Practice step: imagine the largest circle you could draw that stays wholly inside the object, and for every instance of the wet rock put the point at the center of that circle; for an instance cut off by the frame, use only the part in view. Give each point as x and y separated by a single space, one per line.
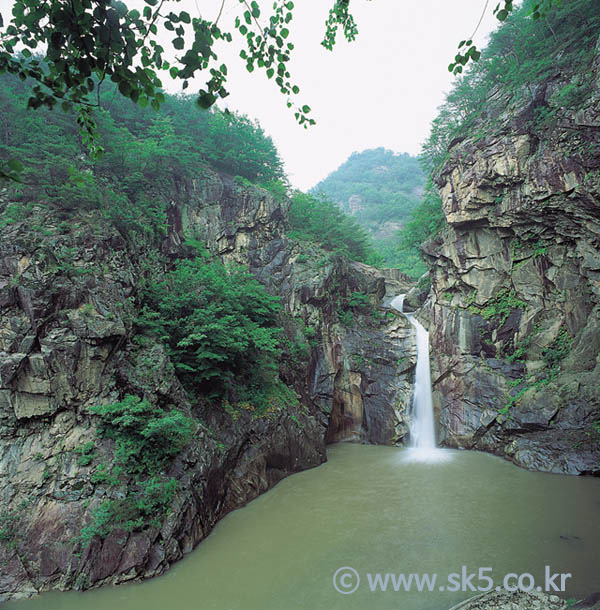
533 600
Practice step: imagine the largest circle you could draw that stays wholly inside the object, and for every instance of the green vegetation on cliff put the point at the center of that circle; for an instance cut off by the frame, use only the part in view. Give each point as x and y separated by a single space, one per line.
522 55
221 329
143 149
146 438
320 221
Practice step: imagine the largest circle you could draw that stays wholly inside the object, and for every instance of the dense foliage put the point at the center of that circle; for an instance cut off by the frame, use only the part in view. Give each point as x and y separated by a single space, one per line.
146 438
379 188
522 54
144 150
88 42
221 329
322 222
425 220
145 435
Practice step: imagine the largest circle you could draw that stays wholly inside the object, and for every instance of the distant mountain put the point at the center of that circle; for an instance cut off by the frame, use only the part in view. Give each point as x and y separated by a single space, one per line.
379 188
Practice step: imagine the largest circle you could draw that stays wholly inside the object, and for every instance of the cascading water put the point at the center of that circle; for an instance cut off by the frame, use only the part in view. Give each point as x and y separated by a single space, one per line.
422 428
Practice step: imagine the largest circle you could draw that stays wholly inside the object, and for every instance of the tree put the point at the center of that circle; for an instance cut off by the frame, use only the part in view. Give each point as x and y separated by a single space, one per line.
467 51
322 222
89 41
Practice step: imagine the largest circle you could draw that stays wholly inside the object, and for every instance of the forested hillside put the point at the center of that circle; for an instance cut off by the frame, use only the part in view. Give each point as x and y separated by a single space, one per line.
141 147
144 153
379 188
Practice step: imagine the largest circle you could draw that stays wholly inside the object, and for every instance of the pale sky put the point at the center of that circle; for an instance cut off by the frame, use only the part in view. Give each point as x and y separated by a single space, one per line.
381 90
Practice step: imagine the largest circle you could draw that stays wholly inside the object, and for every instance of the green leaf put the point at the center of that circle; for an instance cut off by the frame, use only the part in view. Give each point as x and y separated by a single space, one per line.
270 73
178 43
147 12
15 165
124 88
305 109
502 15
206 99
255 9
155 105
285 33
184 17
248 17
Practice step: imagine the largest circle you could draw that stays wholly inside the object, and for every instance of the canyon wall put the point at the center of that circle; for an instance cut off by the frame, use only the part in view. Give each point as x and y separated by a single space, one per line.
515 304
68 287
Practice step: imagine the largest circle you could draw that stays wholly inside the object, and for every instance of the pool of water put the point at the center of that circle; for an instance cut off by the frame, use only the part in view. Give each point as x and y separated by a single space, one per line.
371 509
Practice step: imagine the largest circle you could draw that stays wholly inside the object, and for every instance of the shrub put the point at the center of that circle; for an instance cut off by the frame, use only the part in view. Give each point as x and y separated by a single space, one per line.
219 324
86 453
501 306
320 221
142 508
558 349
145 435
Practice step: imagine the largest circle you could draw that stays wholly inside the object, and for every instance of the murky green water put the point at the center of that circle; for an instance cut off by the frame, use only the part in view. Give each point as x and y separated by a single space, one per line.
368 509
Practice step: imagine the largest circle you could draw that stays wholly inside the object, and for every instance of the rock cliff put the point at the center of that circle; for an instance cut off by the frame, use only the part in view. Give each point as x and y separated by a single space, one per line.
515 301
68 287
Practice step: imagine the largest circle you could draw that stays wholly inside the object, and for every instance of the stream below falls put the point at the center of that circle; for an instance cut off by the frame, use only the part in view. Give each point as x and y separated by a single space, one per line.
371 508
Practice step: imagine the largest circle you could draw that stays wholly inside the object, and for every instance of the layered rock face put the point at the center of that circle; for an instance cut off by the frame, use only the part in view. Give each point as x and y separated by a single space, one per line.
515 308
68 291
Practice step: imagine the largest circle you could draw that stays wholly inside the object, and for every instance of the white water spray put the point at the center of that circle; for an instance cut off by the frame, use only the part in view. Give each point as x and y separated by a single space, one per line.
422 428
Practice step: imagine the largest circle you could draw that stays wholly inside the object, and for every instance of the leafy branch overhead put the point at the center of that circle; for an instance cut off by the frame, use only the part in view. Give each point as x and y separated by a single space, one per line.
67 50
70 47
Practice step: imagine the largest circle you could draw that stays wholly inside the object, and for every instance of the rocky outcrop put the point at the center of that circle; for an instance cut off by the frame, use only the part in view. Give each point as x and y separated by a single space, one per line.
521 600
68 287
517 600
361 373
515 308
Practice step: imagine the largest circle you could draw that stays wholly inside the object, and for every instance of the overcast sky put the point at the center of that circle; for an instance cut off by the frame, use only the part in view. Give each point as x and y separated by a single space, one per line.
381 90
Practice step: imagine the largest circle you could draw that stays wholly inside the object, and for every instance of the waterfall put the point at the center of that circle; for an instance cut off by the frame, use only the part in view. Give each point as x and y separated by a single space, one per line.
422 428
